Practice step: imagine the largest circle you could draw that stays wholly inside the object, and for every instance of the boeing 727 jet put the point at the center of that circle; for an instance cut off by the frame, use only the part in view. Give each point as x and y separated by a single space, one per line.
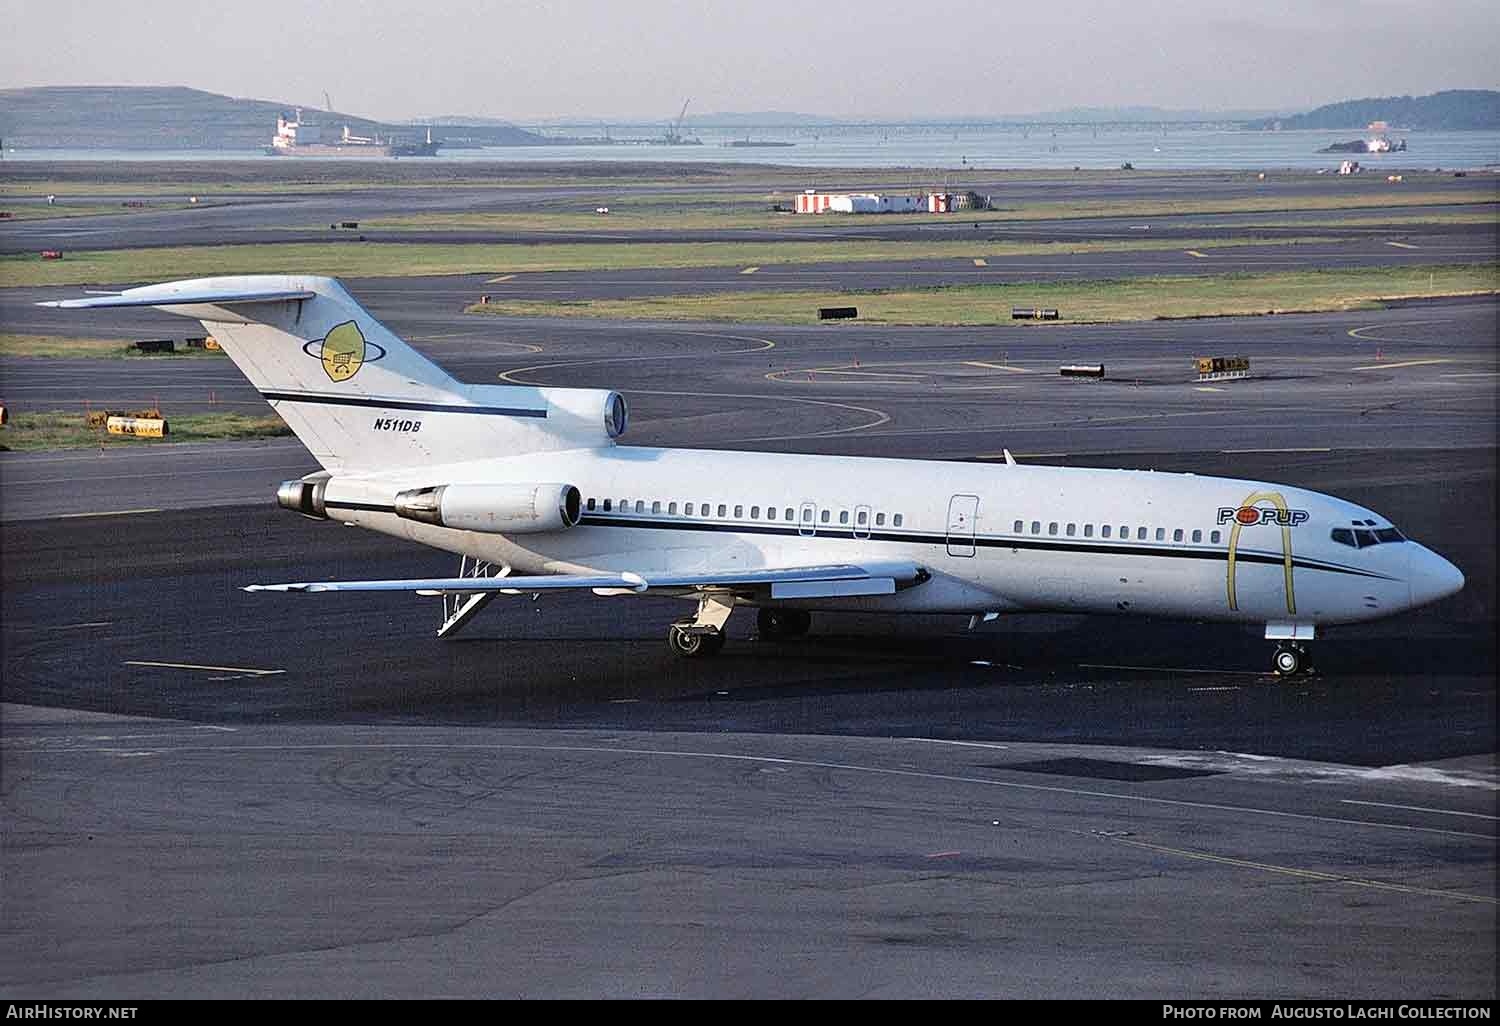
533 490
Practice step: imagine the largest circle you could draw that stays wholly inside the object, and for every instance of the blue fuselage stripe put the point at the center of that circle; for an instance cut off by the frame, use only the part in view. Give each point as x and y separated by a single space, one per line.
401 404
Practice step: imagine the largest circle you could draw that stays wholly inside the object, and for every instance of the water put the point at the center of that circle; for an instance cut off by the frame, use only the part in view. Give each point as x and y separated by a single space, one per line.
1146 147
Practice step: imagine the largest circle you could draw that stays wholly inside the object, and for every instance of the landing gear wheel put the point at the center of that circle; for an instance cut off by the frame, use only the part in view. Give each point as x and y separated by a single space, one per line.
693 644
1290 660
775 624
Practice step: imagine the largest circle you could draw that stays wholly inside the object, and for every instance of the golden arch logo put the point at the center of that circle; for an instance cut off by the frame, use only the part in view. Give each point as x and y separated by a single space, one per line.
343 351
1247 515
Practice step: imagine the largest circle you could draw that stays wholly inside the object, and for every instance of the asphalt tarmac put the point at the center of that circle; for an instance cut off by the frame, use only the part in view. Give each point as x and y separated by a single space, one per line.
209 793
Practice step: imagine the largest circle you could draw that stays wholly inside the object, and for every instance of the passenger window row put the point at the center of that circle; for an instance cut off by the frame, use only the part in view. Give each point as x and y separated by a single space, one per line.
860 517
1109 531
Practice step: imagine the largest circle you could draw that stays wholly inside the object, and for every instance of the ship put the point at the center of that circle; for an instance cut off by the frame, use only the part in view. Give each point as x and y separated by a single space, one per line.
1378 142
297 138
756 143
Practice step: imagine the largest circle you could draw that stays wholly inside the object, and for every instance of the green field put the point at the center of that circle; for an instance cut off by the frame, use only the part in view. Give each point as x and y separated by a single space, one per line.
1126 299
55 347
67 429
373 259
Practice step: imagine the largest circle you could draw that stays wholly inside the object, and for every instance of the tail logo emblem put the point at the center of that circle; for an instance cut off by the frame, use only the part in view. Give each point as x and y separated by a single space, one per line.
343 351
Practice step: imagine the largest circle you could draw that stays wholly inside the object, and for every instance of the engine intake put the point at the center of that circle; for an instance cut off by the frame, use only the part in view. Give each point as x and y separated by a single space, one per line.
493 508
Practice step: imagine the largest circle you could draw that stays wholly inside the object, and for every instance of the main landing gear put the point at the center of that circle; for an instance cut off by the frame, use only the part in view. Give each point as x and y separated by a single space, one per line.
776 624
703 635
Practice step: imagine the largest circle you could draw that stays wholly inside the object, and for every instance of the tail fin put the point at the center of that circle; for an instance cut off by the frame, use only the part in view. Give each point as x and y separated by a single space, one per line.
358 396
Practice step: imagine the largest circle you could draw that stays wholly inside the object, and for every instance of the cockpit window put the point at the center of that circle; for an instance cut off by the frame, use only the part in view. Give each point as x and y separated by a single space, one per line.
1389 534
1344 536
1365 538
1360 538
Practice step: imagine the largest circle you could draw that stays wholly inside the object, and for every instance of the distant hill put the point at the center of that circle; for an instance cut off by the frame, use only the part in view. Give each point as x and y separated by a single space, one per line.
177 118
1451 110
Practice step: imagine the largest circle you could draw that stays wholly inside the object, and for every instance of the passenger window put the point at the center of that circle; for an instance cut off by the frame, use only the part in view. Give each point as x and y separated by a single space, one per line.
640 505
672 509
1214 537
1140 534
1161 534
1197 537
825 516
606 505
754 512
704 510
843 516
1036 527
739 512
1343 536
791 514
1124 532
656 506
591 505
1088 530
863 518
807 516
879 519
896 520
1071 529
1020 526
1104 531
723 510
1052 527
687 509
1177 535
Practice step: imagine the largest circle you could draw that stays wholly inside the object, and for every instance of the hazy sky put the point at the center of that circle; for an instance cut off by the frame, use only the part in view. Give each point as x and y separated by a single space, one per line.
617 60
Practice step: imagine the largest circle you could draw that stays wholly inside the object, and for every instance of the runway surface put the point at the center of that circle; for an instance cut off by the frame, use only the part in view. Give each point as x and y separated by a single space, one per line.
208 793
232 210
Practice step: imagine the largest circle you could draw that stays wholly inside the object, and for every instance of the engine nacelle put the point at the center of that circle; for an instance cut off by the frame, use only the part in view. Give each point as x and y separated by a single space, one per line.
493 508
305 495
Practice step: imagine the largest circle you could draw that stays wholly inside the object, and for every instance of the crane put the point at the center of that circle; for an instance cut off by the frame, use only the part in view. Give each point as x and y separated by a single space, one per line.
674 135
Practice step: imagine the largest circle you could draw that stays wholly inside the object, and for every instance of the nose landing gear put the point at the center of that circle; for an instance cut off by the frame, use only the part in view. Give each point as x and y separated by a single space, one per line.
1291 659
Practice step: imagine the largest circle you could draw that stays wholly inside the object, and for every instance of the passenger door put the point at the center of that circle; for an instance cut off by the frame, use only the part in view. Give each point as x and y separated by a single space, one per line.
963 511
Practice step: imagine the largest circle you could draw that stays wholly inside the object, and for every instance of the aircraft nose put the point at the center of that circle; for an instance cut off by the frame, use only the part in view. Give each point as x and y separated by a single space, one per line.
1431 576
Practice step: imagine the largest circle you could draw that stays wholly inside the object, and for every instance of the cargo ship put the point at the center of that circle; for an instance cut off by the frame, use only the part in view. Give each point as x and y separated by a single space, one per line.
296 138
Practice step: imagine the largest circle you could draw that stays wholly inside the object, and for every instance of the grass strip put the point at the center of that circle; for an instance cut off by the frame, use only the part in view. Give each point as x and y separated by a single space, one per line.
376 259
67 429
1125 299
50 346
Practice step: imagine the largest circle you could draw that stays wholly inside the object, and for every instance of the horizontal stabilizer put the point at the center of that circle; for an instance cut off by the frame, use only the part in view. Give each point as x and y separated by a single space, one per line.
182 294
798 582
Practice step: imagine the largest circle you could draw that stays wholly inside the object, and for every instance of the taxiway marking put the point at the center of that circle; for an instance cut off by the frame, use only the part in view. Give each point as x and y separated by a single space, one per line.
1403 363
1403 245
496 281
107 513
1195 253
1306 874
1238 452
980 262
1419 808
750 270
196 666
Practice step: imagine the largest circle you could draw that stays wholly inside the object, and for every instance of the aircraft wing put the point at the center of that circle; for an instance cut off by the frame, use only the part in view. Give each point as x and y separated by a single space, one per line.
800 582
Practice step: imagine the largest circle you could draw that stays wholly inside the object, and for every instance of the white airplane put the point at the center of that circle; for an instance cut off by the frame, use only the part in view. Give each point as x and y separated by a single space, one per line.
530 487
